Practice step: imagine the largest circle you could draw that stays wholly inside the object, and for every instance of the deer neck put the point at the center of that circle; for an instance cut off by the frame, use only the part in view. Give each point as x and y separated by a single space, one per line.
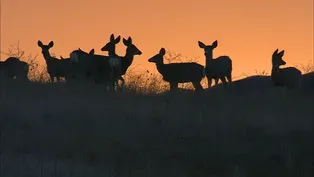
128 59
209 59
47 56
160 66
112 53
275 69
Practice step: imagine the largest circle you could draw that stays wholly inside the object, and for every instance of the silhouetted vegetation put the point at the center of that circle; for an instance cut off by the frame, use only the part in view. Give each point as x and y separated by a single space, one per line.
255 129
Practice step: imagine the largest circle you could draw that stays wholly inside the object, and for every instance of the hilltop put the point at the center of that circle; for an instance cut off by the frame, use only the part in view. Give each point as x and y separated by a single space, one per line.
254 128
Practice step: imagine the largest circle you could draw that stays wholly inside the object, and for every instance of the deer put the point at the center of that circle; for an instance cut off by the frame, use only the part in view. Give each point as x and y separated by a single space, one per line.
110 47
114 59
218 68
126 60
56 68
82 63
14 67
97 67
175 73
289 77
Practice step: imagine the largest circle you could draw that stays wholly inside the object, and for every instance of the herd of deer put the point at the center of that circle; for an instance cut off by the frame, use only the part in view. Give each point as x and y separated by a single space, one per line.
110 69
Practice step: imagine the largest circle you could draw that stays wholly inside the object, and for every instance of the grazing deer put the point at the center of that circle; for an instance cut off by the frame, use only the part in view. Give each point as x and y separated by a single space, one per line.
290 77
14 67
218 68
56 68
127 59
175 73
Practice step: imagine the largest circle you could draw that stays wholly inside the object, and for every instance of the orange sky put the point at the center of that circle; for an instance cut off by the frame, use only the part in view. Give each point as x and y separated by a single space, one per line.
247 30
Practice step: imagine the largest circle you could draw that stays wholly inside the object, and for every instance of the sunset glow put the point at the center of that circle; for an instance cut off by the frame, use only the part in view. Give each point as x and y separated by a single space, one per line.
247 31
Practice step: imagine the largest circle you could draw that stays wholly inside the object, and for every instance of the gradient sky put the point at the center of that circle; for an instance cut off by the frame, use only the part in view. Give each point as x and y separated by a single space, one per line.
247 30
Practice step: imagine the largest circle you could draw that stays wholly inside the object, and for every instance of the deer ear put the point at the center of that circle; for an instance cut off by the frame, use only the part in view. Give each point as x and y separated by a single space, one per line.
201 44
275 52
215 44
51 44
92 52
117 40
162 51
130 40
39 43
281 53
125 42
111 37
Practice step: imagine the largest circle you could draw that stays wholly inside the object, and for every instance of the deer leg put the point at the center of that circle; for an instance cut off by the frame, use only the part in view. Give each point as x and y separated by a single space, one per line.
173 86
112 85
58 78
216 80
209 81
51 78
116 84
122 81
223 80
197 86
229 78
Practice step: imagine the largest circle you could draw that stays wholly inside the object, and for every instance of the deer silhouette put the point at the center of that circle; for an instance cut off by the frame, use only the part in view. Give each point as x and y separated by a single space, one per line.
131 51
82 63
14 67
175 73
218 68
114 59
110 47
126 60
290 77
97 66
56 68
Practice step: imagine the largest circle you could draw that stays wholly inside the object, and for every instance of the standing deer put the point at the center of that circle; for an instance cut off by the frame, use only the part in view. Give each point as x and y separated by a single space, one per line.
218 68
175 73
290 77
131 51
82 63
14 67
56 68
110 47
127 59
114 59
97 66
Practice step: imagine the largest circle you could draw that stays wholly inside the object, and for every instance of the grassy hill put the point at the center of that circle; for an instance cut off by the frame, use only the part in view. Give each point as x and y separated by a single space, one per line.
254 129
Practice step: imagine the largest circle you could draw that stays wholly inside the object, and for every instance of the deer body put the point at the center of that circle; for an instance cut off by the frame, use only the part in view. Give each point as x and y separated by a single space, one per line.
290 77
56 68
128 58
82 63
97 66
13 67
102 70
113 59
175 73
120 64
216 68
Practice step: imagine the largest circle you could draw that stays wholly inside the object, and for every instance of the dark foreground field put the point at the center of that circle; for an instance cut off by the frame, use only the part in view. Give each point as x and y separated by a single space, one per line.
258 133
